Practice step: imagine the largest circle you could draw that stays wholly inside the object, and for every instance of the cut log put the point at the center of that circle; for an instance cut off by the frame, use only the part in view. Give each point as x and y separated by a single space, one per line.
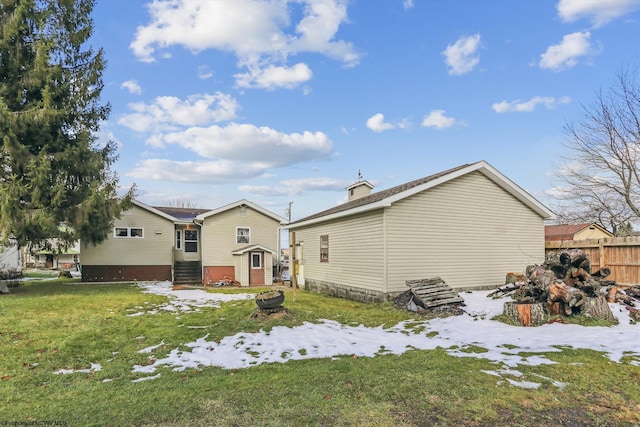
598 308
556 308
611 294
526 314
559 291
602 273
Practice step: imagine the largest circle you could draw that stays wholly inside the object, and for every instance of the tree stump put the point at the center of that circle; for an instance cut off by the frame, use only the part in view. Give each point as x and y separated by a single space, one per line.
598 308
526 314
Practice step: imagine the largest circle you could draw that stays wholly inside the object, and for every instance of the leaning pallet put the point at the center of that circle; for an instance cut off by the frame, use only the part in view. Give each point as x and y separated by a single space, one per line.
433 292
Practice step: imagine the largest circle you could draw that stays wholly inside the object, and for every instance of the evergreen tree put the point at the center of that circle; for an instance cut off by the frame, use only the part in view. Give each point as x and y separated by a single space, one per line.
55 181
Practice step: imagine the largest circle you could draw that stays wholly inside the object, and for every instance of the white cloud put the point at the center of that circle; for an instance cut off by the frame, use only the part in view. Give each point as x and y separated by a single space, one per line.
273 77
599 12
528 106
260 33
377 124
132 86
204 72
438 119
169 112
218 171
245 144
295 187
565 55
103 137
461 57
407 4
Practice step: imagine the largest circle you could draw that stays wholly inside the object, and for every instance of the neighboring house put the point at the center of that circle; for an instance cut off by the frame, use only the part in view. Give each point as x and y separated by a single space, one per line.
10 265
239 241
589 230
65 259
470 225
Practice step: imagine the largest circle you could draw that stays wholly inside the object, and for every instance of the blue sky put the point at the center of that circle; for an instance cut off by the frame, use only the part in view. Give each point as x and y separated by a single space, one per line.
286 101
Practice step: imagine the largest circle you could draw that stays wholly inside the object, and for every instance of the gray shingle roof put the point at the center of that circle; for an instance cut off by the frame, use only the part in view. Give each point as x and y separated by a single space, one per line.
380 195
182 214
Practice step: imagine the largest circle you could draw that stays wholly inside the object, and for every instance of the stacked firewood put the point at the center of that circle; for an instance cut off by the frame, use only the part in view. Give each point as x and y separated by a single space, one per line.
565 285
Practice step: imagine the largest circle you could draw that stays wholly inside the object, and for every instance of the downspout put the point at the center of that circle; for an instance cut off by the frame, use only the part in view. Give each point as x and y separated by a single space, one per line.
201 242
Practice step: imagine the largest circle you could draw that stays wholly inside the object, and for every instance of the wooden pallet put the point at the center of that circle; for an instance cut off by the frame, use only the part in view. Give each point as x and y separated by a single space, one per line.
433 292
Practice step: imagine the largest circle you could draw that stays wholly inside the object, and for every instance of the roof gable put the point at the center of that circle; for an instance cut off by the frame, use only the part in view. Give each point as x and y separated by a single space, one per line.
242 202
387 197
154 210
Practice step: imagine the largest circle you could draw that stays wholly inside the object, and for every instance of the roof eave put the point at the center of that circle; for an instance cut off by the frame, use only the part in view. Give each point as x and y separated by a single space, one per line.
482 167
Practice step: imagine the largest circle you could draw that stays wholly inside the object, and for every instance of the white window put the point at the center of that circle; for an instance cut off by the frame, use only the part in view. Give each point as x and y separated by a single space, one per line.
324 248
179 240
128 232
256 260
191 240
243 235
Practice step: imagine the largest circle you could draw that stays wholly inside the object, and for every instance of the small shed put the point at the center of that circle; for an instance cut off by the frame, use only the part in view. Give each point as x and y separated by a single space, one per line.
589 230
469 225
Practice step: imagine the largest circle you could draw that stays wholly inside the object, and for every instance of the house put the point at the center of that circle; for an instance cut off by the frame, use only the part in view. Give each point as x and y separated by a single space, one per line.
10 265
64 259
589 230
469 225
239 241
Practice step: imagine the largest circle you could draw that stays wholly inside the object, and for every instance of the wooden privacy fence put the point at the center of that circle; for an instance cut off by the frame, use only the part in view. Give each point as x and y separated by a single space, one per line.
620 254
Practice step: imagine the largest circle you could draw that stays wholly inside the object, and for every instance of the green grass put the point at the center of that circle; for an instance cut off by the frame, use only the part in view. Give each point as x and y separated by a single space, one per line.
51 325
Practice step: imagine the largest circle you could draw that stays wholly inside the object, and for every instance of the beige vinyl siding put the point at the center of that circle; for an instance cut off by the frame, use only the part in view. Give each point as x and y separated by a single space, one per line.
468 231
219 234
154 248
588 233
355 251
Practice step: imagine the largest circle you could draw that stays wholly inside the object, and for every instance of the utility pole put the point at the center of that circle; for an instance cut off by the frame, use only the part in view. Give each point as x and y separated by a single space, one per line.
289 211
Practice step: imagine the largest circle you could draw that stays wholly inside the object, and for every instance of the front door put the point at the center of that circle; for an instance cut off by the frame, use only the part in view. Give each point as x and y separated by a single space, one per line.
191 245
256 268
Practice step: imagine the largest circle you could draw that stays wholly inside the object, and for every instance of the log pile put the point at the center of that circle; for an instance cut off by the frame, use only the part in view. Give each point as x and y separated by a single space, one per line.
563 285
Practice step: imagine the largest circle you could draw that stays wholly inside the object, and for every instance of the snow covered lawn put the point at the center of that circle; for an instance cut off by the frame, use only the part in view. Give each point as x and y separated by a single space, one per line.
504 344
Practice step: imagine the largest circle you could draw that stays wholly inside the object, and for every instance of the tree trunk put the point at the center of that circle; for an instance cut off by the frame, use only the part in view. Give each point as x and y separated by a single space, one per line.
598 308
526 314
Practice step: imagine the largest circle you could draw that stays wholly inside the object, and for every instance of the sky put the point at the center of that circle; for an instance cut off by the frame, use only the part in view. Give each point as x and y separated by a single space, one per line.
507 346
287 102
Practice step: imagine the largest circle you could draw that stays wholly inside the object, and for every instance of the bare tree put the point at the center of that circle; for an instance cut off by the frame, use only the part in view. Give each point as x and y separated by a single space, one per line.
182 203
600 178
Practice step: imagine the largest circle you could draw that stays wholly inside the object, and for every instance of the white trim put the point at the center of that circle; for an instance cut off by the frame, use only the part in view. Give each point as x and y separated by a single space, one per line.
359 183
179 241
242 202
248 235
250 248
251 255
154 210
128 236
483 167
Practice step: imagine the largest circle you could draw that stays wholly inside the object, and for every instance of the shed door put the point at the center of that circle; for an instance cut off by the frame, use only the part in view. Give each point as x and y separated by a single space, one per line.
256 268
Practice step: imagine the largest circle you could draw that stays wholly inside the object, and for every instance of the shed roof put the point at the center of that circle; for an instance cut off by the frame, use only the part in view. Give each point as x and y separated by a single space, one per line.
568 231
387 197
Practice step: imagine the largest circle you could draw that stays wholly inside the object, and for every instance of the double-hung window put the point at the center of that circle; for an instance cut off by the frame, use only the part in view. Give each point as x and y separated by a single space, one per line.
243 235
324 248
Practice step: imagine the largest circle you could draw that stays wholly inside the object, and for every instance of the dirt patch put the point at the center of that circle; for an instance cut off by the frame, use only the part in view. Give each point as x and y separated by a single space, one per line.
272 314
